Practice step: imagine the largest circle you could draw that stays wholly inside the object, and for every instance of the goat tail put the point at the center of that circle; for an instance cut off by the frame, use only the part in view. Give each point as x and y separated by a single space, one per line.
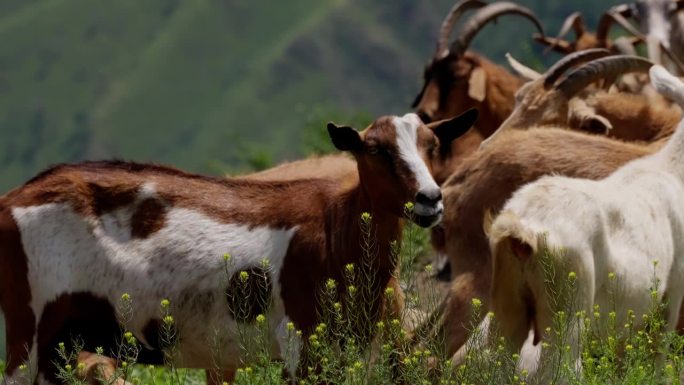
667 84
513 246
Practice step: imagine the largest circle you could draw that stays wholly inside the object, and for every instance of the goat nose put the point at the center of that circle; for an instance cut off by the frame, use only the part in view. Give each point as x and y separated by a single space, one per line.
424 116
429 197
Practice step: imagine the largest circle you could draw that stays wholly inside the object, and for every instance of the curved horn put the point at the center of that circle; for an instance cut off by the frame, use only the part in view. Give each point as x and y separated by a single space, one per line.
486 14
449 22
523 70
607 67
574 21
606 22
556 70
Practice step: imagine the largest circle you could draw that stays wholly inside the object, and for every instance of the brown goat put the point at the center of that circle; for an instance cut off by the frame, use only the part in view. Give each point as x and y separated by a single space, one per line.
587 40
456 79
659 28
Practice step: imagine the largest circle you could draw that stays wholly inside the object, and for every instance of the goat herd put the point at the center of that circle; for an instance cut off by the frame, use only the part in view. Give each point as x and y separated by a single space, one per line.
76 237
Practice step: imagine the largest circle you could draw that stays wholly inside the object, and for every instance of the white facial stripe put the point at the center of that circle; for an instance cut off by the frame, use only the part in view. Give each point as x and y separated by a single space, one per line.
407 143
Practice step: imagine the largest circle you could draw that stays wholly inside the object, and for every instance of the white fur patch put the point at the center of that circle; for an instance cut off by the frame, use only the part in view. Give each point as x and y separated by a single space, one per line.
407 143
183 262
147 190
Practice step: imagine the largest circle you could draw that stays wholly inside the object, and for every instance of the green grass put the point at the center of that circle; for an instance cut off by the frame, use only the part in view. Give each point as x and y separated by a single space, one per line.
611 352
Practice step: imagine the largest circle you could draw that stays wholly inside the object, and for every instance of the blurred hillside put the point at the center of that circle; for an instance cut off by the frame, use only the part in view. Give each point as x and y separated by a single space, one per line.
209 85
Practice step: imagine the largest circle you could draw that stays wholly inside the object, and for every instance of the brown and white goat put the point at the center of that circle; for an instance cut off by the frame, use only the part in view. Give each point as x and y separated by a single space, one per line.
76 237
456 79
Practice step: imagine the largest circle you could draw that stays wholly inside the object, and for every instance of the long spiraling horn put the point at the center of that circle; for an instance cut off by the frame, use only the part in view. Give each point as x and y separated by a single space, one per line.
449 22
569 61
616 14
608 67
485 15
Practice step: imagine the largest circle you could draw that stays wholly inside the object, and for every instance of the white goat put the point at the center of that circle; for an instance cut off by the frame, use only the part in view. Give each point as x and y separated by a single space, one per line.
621 224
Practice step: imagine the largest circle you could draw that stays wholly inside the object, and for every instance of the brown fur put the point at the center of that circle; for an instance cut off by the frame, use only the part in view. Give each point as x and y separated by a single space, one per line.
632 117
585 40
446 95
636 117
326 166
486 180
15 293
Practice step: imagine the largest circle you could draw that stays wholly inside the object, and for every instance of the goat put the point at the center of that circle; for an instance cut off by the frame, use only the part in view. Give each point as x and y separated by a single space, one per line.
586 40
484 182
661 26
490 87
325 166
620 224
75 237
487 178
546 100
541 103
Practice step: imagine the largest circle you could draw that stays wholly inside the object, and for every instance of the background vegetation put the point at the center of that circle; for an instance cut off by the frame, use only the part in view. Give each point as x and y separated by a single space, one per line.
208 85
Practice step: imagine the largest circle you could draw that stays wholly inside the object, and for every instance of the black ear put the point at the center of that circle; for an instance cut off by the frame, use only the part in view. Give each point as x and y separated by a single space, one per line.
344 138
448 130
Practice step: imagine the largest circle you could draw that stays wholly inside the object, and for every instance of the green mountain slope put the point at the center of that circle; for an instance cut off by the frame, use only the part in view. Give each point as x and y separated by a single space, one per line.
201 84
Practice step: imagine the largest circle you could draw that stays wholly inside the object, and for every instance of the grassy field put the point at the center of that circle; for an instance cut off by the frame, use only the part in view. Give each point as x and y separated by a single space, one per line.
611 351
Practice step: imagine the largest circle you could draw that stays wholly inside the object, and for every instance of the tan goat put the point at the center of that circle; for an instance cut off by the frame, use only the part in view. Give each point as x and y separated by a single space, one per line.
558 97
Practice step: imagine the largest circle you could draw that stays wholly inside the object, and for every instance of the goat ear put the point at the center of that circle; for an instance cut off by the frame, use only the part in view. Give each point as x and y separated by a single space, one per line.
524 71
344 138
448 130
477 84
595 124
585 118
